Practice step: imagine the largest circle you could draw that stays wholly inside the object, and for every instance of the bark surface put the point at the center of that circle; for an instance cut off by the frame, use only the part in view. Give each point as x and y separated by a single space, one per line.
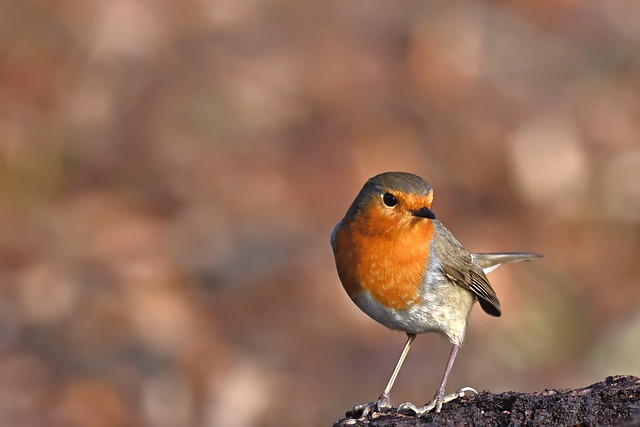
612 402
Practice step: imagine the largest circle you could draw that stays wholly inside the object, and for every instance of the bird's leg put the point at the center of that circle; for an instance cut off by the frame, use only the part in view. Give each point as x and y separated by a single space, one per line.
439 399
383 403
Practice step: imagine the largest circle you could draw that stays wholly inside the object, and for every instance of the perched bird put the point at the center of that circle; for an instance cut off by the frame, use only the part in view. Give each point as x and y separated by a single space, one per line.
404 269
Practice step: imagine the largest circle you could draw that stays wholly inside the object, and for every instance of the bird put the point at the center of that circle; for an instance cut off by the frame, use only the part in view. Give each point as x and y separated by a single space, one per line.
403 268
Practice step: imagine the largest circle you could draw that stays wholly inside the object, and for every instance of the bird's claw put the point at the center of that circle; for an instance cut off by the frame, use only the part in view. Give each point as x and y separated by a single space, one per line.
409 408
383 404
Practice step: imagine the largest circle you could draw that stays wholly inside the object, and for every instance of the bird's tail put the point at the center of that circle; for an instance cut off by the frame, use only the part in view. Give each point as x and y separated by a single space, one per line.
490 261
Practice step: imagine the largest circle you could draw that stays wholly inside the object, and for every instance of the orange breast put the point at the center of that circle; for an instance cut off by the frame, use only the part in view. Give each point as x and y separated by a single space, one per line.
389 265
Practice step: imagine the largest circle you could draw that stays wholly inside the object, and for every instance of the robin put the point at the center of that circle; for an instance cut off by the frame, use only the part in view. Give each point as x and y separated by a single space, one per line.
405 270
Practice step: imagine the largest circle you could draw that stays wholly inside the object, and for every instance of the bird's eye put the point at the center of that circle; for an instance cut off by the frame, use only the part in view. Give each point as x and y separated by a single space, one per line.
389 199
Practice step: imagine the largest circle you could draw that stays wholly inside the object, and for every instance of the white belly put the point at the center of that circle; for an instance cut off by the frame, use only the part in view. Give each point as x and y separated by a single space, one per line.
434 312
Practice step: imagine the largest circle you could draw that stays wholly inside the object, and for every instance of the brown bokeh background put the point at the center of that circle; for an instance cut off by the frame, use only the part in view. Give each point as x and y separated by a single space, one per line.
170 173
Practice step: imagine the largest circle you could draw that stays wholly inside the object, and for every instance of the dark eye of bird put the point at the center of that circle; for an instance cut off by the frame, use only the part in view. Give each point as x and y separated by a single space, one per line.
389 199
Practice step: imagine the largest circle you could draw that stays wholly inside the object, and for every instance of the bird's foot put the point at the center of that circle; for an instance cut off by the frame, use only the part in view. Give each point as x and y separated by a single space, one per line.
409 408
383 404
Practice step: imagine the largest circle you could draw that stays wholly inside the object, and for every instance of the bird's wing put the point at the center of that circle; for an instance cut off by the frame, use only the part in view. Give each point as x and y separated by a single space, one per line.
465 273
461 269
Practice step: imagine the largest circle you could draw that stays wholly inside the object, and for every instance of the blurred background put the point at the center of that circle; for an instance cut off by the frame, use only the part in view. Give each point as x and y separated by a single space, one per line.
170 173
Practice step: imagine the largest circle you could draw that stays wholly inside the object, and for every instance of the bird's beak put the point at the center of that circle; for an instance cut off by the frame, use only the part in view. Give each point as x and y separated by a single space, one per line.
423 212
